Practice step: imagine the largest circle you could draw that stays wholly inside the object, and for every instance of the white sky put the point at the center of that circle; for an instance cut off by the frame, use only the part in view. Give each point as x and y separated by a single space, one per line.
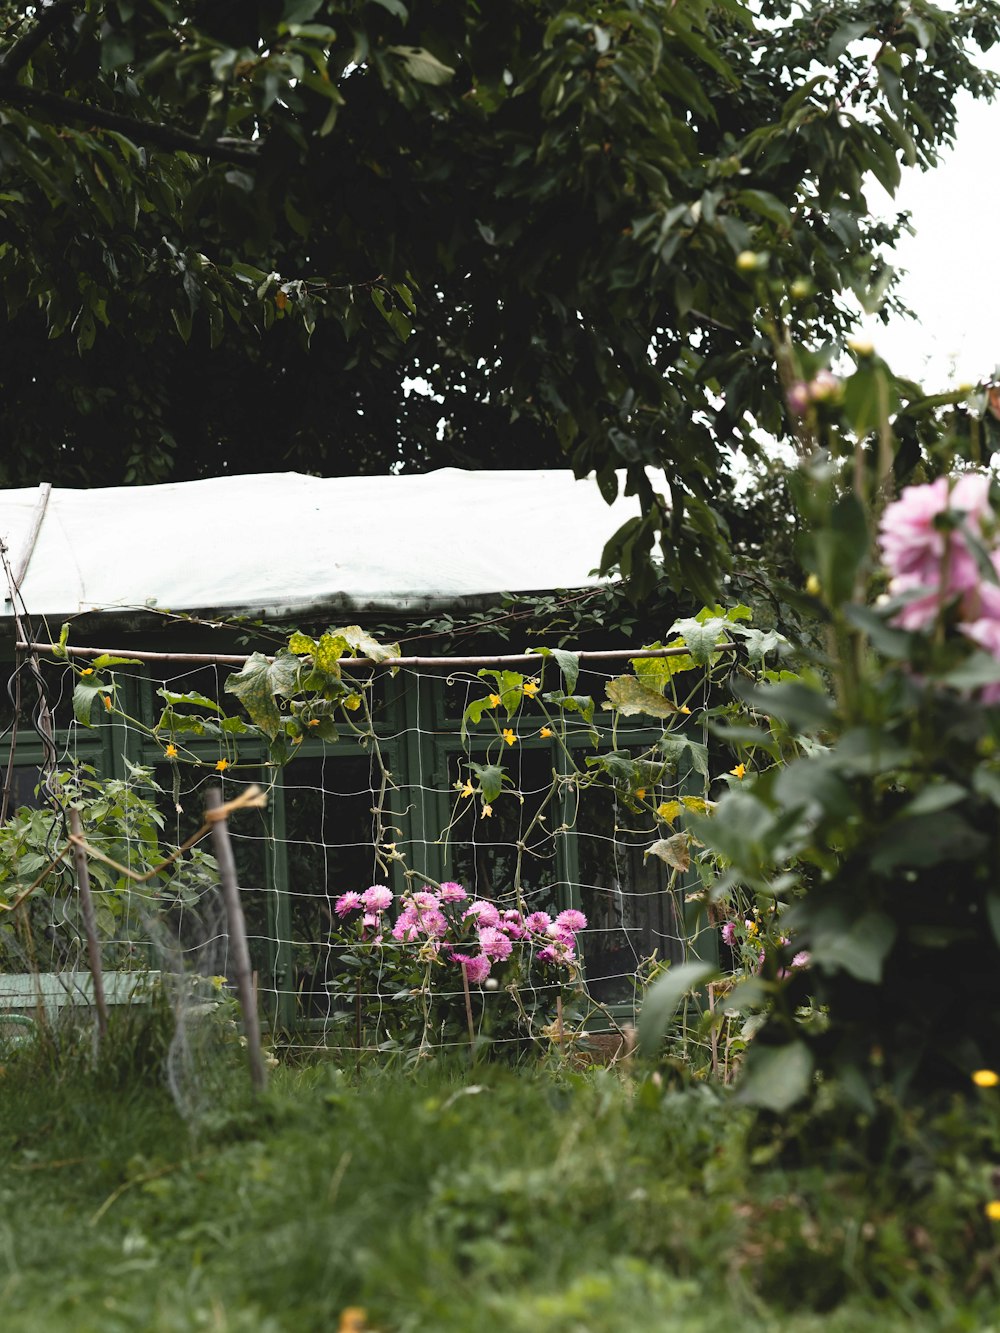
952 264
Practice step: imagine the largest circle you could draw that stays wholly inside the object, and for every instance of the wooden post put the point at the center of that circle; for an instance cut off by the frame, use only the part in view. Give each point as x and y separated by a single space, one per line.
468 1015
237 936
89 922
357 1023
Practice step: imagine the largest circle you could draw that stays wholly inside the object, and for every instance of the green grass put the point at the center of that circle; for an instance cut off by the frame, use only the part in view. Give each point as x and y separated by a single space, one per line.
531 1202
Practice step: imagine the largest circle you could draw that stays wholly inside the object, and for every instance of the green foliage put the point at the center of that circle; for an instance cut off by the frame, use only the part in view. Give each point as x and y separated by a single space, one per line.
237 199
536 1203
879 835
122 823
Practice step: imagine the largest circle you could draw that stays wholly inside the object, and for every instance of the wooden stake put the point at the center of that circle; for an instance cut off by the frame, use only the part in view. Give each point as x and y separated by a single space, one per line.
89 923
215 815
357 1025
468 1014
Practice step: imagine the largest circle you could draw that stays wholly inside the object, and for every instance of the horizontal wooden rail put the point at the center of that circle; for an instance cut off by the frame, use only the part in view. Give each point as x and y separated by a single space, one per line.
444 663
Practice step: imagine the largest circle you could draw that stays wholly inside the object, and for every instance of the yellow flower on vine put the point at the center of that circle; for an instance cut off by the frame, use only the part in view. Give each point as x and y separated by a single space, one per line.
495 701
221 765
296 740
739 771
545 732
986 1078
530 688
313 722
685 710
992 1210
87 671
508 736
171 751
640 793
487 811
468 789
106 701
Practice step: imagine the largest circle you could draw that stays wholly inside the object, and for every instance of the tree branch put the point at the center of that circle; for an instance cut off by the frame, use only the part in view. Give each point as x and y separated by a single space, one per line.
146 133
18 55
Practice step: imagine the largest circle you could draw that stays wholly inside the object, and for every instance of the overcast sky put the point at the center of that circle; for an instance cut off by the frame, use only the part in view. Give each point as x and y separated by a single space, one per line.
953 263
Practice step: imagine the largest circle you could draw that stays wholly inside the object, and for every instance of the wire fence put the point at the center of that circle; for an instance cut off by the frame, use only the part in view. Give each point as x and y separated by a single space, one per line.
410 795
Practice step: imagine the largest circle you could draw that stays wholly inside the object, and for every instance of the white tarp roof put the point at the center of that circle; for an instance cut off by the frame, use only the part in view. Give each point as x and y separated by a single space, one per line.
284 544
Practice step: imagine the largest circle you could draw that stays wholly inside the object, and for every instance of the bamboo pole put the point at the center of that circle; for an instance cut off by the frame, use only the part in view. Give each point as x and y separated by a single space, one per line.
489 659
468 1015
215 814
89 922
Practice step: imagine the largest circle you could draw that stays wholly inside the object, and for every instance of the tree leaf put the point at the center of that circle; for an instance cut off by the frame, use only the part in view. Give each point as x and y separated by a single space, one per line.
491 778
84 694
258 683
192 697
776 1077
675 851
422 65
677 749
663 998
629 696
858 947
109 660
701 637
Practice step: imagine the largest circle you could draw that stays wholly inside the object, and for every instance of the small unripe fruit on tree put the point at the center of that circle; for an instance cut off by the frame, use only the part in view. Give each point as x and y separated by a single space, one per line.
801 288
747 261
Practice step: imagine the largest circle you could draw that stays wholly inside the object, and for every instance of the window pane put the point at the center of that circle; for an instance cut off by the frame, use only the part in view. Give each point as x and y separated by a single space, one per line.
330 833
512 852
629 911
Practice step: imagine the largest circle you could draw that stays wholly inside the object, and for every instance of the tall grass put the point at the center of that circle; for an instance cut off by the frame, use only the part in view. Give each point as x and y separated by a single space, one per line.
444 1201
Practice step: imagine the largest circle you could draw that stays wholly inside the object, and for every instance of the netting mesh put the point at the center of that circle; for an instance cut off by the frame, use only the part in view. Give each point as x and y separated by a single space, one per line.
399 800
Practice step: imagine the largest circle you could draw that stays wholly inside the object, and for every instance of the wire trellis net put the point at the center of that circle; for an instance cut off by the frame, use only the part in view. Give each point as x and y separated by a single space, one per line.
529 796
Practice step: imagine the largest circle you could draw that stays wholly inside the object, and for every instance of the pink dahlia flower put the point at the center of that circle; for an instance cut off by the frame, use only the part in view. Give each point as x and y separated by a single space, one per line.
537 922
919 555
513 923
486 914
477 968
452 892
558 952
494 944
406 925
729 933
571 921
347 903
377 899
434 924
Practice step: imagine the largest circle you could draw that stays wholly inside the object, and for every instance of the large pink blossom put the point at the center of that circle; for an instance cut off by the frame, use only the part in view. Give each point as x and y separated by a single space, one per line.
452 892
512 922
377 898
494 944
486 914
922 556
571 921
538 922
477 967
406 924
433 923
347 903
558 952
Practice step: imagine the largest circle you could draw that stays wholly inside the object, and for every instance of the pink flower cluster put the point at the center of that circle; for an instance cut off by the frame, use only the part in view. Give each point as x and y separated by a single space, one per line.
554 941
924 539
373 903
429 917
